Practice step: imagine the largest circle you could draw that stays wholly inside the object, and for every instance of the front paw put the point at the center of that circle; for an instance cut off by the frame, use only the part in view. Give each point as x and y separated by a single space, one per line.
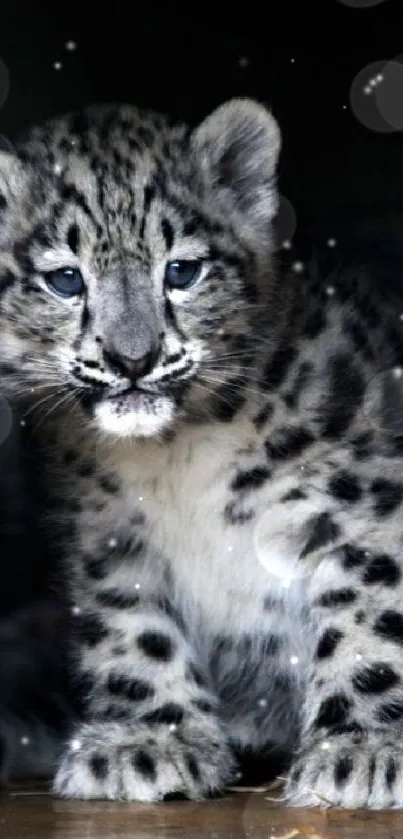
144 763
338 771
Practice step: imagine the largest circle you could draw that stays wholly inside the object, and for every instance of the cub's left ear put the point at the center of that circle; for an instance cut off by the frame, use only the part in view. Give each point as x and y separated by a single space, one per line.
236 152
12 188
12 176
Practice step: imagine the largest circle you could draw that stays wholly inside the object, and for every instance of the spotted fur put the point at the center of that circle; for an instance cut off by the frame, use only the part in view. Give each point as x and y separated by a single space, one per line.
227 459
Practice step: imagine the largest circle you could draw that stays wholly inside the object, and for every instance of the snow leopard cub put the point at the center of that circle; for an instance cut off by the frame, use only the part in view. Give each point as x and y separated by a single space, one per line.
226 445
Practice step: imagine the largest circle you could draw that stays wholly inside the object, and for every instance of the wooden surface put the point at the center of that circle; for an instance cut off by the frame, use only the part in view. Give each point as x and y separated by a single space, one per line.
27 813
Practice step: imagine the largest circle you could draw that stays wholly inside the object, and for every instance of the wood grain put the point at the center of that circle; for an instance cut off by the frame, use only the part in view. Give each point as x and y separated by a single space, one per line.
32 813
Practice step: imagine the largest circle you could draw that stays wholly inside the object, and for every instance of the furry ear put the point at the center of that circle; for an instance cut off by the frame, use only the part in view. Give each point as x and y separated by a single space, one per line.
236 149
12 186
12 176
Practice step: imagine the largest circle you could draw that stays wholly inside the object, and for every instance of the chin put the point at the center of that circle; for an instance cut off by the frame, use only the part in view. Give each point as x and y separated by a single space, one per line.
135 415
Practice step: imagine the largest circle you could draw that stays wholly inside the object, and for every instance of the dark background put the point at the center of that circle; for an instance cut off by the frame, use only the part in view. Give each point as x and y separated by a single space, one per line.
299 56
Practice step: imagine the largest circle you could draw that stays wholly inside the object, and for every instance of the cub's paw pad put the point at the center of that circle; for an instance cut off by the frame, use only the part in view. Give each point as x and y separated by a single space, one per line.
146 763
346 774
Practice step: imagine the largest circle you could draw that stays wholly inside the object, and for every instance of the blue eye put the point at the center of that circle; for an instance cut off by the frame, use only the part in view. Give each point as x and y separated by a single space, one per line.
65 282
182 273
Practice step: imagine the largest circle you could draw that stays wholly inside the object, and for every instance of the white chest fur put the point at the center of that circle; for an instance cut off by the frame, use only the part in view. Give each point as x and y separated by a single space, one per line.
221 569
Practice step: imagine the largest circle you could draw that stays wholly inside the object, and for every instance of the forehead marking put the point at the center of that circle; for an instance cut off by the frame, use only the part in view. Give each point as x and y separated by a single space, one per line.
73 238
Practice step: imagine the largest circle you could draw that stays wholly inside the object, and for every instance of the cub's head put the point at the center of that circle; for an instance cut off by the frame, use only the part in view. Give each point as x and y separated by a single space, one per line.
135 263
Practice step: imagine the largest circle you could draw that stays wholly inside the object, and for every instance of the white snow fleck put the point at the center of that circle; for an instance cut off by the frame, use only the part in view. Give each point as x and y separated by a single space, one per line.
75 745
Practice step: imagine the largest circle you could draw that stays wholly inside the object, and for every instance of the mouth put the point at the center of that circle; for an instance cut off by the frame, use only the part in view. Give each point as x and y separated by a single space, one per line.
134 412
132 399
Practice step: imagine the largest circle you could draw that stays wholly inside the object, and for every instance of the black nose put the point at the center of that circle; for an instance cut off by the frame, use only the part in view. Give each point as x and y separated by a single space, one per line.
132 368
